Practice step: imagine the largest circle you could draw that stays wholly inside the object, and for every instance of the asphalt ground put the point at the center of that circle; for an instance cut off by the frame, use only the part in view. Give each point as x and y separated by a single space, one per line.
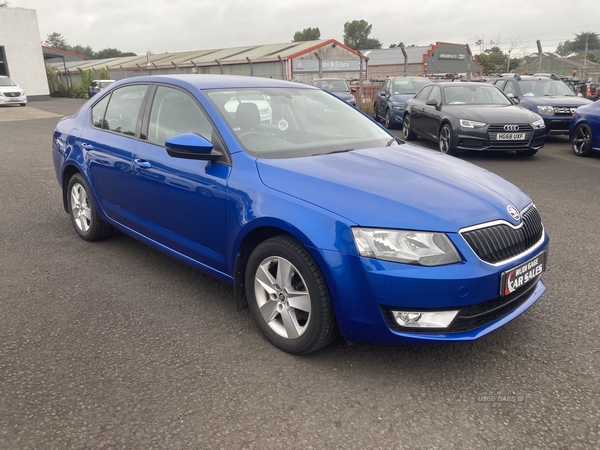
115 345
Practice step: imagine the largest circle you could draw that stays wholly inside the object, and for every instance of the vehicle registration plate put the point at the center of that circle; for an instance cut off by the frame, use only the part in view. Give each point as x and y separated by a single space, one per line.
14 100
524 273
510 136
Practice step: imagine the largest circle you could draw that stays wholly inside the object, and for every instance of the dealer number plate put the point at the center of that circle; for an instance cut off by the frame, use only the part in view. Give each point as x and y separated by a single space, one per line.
524 273
510 136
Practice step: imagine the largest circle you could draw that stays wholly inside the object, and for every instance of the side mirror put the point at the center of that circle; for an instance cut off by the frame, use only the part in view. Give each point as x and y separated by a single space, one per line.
382 93
515 100
432 102
191 146
352 89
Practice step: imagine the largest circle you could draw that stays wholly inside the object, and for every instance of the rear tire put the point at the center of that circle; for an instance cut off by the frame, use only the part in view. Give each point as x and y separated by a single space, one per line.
581 142
83 211
288 296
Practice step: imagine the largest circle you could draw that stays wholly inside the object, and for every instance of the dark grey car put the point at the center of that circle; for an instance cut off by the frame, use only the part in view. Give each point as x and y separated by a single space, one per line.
472 116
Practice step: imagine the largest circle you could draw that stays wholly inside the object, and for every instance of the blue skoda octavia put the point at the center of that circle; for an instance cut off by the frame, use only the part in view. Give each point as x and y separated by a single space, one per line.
323 221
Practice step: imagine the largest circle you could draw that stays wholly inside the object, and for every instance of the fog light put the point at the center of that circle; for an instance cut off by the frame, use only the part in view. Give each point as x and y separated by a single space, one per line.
433 319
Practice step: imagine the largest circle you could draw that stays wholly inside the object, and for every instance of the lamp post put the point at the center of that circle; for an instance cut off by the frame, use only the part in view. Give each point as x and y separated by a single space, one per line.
508 63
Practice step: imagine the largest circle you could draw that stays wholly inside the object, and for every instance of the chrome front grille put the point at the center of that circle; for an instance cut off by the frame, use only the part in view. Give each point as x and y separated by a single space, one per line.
564 110
501 242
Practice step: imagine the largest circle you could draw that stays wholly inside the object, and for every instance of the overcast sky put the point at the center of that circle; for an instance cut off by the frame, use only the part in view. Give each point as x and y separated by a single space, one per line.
181 25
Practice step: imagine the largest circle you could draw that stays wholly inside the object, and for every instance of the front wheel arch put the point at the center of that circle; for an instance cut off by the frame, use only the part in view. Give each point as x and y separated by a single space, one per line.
311 321
451 144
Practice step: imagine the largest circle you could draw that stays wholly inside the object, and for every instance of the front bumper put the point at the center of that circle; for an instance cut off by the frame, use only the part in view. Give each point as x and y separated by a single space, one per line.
4 100
365 291
485 139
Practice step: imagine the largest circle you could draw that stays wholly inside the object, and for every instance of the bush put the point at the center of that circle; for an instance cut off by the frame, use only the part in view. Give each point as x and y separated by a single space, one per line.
367 108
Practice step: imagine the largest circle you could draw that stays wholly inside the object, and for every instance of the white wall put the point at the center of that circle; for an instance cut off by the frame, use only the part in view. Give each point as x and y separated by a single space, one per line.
20 36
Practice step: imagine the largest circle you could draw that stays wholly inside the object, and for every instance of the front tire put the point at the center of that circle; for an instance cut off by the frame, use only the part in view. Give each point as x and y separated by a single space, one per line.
288 296
446 140
581 143
407 133
389 124
375 115
83 211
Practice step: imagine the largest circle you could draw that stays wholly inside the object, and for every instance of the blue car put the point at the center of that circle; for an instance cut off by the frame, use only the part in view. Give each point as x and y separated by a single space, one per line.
584 133
323 221
390 103
544 94
338 87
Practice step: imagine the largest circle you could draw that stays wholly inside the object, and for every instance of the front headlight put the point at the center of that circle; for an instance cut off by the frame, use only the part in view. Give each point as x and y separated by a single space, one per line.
547 110
398 106
405 246
538 124
471 123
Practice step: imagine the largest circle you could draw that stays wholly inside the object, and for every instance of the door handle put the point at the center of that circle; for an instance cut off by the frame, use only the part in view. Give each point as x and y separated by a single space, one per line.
87 146
142 163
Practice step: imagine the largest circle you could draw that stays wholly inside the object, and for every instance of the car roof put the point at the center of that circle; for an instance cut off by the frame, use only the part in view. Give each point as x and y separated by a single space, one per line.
201 81
461 83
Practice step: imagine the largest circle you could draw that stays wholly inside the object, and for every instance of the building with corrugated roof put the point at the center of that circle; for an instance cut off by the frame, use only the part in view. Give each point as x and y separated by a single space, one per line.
299 61
438 58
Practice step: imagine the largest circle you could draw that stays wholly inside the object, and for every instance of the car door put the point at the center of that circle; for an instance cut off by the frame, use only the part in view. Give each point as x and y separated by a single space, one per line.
181 202
384 96
417 110
108 142
431 114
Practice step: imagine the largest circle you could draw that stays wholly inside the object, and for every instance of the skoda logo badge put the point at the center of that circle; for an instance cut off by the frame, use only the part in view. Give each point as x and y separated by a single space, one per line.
514 212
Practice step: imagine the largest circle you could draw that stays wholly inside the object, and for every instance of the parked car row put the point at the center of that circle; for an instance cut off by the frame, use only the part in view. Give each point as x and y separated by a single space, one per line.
517 116
323 221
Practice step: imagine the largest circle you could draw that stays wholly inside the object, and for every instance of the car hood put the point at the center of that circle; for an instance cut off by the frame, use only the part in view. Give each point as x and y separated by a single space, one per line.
401 98
396 187
343 95
492 114
555 101
10 89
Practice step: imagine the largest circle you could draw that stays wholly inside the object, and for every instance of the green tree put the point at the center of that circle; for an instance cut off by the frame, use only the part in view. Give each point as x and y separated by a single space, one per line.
57 40
356 35
108 53
401 44
85 51
577 45
308 34
3 4
494 60
564 48
592 39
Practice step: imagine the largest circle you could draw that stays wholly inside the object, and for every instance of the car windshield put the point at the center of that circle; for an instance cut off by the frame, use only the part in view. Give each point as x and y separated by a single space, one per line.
7 82
475 95
299 122
544 87
408 86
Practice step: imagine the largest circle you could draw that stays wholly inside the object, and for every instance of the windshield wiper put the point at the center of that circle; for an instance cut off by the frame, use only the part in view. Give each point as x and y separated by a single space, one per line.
334 151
